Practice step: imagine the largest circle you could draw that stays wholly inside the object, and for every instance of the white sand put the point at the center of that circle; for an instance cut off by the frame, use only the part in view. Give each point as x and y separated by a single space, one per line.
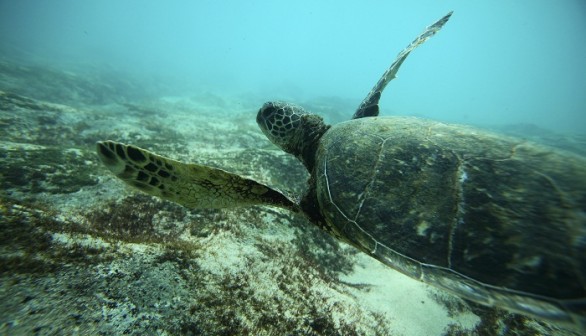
405 301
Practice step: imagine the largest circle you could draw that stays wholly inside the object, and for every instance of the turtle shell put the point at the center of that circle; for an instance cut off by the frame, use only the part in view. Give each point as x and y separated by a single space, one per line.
490 218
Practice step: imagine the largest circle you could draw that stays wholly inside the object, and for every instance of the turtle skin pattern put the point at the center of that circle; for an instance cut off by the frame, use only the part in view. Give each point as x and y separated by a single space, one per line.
487 217
191 185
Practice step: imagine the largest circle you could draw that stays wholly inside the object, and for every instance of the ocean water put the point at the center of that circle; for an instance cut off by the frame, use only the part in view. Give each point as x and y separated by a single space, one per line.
82 253
495 63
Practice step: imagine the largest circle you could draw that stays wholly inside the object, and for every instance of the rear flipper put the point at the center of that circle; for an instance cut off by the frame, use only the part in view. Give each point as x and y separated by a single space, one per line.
369 106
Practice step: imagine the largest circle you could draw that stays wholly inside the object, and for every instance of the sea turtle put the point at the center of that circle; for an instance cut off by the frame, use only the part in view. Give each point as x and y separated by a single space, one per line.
490 218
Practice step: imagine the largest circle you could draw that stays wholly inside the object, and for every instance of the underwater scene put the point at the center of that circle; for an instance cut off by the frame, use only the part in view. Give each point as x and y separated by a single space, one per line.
241 167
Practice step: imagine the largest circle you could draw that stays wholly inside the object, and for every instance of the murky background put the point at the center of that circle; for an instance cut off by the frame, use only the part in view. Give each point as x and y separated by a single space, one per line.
496 62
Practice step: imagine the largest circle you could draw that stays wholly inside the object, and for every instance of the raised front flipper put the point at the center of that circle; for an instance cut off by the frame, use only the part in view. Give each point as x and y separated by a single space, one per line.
369 106
191 185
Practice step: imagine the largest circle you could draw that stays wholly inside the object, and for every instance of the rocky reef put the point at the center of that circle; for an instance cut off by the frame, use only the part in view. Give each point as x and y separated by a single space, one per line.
82 254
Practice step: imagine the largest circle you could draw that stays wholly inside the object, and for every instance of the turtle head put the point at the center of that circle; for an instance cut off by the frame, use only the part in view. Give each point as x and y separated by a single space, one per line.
293 129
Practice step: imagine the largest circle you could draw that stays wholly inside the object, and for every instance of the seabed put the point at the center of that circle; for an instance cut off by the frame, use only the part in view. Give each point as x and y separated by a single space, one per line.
82 254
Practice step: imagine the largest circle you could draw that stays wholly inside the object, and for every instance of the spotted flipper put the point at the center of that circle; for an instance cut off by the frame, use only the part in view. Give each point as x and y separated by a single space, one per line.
191 185
369 106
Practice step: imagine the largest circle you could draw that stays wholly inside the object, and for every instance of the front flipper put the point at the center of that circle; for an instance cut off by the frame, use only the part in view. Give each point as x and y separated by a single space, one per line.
369 106
191 185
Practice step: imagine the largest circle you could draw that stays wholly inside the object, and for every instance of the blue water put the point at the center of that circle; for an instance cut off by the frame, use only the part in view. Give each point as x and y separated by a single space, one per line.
494 62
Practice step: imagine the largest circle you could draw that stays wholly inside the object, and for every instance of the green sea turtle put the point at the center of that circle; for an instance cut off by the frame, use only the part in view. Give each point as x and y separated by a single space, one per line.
490 218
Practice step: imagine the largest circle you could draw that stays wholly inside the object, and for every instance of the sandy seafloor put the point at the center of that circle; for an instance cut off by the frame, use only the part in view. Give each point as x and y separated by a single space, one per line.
82 254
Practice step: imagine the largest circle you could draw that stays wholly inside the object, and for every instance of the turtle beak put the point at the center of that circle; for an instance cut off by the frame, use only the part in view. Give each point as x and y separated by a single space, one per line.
261 117
266 113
